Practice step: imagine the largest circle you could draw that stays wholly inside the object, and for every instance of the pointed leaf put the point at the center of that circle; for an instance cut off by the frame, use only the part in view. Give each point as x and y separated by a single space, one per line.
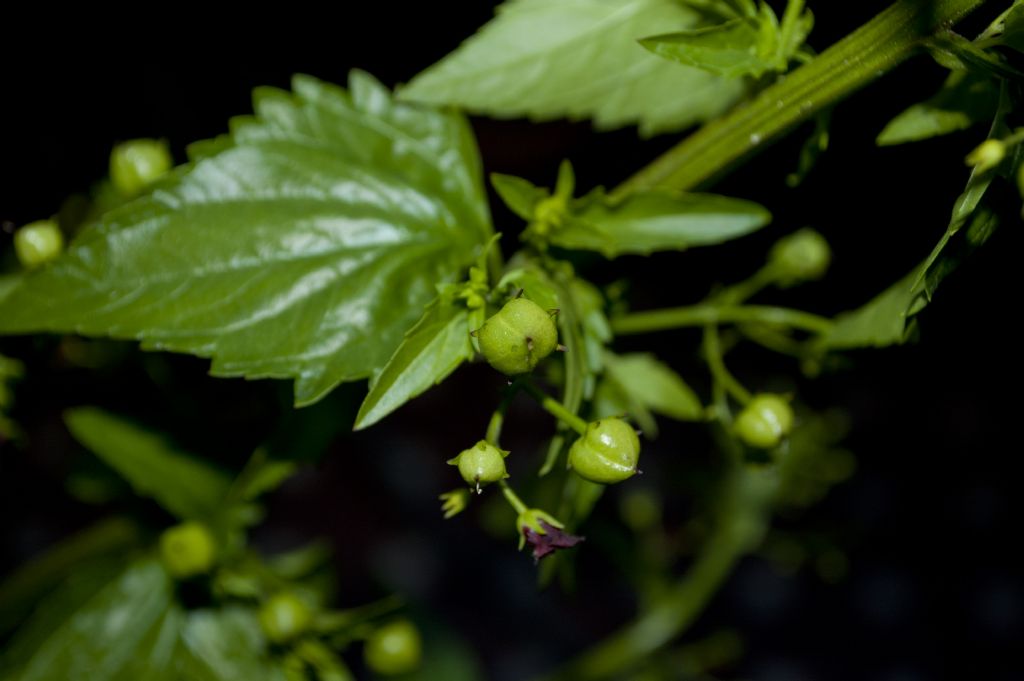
965 99
578 59
432 350
520 195
651 383
304 248
881 322
655 221
728 49
184 486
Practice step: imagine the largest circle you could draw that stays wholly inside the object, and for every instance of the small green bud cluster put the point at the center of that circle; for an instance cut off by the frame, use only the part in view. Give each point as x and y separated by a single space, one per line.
394 648
136 164
607 452
517 337
474 291
801 256
188 550
481 464
38 243
284 617
765 421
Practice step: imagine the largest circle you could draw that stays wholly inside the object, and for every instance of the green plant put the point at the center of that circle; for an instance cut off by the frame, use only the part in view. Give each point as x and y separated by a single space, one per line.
344 234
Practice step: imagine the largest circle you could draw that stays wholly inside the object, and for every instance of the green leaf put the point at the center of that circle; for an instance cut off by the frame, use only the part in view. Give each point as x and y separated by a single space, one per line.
882 321
304 248
965 99
123 632
22 590
646 222
227 645
749 45
184 486
728 49
520 195
1013 28
578 59
431 351
640 384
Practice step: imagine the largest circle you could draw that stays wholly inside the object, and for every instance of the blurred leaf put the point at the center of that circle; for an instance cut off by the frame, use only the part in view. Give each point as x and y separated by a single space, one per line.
300 562
747 45
881 322
23 589
184 486
122 633
535 285
303 248
956 52
431 351
1013 28
965 99
227 645
652 384
577 59
520 195
261 475
654 221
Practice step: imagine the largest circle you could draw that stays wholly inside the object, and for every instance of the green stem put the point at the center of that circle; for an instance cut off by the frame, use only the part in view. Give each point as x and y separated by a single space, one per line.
512 497
716 363
555 408
494 426
704 314
736 531
866 54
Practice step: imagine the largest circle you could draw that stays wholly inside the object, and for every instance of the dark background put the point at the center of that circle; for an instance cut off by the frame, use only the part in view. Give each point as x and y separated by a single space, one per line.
929 526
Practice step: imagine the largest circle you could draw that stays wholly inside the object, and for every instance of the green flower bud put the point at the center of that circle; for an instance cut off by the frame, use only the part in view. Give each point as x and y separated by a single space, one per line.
765 420
515 339
137 164
284 617
481 464
987 155
38 243
394 648
801 256
607 452
188 549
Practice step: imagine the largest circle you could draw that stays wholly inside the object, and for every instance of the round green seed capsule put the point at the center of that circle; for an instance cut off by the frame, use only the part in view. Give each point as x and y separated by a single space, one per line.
394 648
517 337
802 256
765 420
481 464
136 164
284 617
188 549
38 243
607 452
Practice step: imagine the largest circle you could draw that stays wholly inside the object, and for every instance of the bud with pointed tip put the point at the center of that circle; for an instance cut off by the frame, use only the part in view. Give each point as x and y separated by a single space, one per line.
481 464
607 452
517 337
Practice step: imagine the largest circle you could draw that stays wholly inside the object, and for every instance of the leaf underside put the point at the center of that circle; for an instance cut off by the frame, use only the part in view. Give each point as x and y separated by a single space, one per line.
577 59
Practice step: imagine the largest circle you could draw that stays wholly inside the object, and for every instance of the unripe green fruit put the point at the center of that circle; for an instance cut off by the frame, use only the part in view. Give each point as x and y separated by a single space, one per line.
802 256
481 464
38 243
607 452
521 334
765 420
136 164
394 648
284 617
188 549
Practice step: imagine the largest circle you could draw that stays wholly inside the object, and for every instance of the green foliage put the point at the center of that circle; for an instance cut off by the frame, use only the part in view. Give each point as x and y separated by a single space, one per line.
750 42
184 486
967 98
303 246
639 224
431 350
577 59
641 385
